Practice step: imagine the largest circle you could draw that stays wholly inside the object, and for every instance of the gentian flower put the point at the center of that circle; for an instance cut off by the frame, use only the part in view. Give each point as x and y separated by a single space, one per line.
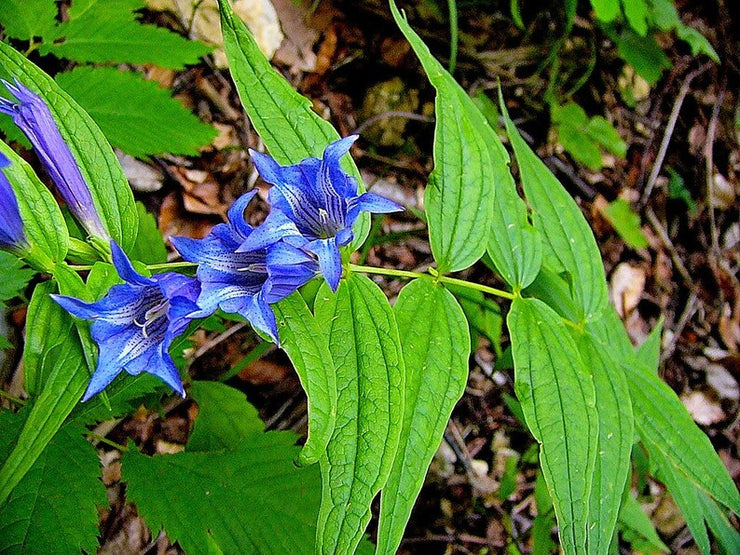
314 206
246 282
12 236
136 322
33 117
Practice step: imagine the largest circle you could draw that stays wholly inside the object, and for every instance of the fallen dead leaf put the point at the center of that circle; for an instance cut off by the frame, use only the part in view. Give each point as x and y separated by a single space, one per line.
626 287
143 177
702 409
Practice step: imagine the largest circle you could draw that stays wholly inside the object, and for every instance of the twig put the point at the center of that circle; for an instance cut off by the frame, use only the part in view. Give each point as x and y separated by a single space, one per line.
709 164
216 340
390 114
668 244
670 127
584 187
683 320
210 92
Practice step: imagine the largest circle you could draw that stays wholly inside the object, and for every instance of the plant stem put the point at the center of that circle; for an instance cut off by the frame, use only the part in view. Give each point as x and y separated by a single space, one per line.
12 398
164 266
443 279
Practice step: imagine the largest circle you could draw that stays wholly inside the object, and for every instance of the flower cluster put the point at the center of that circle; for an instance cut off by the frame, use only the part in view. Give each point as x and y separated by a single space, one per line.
241 269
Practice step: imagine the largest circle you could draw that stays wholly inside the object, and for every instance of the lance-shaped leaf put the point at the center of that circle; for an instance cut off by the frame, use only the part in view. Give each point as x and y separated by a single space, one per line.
558 400
616 435
306 344
289 127
114 202
563 227
459 196
436 347
365 345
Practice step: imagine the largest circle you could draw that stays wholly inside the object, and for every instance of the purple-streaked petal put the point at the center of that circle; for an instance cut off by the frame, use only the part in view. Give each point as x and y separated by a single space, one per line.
345 185
262 318
104 374
236 214
76 307
158 363
275 227
267 167
370 202
12 235
125 269
330 260
345 236
33 117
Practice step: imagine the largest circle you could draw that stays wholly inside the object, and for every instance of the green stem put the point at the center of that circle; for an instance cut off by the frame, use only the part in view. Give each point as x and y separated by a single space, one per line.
12 398
102 439
164 266
452 7
443 279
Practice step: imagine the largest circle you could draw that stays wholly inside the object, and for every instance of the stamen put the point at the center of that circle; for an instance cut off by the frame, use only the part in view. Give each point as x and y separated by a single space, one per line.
257 268
152 315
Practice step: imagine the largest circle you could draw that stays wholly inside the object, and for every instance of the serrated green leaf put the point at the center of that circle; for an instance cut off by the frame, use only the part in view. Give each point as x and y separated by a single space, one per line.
436 347
666 428
644 54
616 435
250 499
284 119
15 277
636 13
606 10
365 346
632 519
136 115
224 417
26 19
558 400
52 509
459 196
107 31
124 395
149 247
571 121
697 42
307 346
100 169
563 228
67 378
43 222
602 132
626 222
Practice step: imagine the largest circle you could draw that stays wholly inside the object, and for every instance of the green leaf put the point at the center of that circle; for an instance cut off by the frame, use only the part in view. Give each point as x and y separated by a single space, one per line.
636 12
633 520
558 400
666 428
136 115
66 380
305 342
459 196
563 227
26 19
107 31
124 395
100 169
43 222
582 136
52 509
649 351
249 499
697 42
483 315
149 247
724 532
616 435
284 119
626 222
544 522
606 10
677 190
365 346
644 54
15 277
602 132
436 347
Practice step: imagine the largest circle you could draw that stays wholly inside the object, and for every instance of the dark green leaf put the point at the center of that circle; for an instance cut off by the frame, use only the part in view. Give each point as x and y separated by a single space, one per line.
460 193
15 277
107 31
307 345
633 521
644 54
26 19
636 12
558 400
365 346
435 346
136 115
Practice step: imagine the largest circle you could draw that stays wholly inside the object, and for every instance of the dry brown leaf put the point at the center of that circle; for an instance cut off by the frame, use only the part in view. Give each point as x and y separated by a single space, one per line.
626 287
702 409
296 51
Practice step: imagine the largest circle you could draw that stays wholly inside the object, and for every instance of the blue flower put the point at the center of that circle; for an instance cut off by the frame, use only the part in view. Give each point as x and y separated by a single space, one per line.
246 282
32 116
314 206
135 323
12 236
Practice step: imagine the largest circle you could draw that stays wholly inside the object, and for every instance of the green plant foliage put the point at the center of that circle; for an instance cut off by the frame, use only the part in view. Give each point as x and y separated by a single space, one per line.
52 509
584 137
136 115
636 528
149 247
558 401
284 119
365 345
606 10
544 522
435 346
459 197
637 13
107 31
15 277
666 19
26 19
97 162
245 497
483 315
308 348
677 190
626 223
642 53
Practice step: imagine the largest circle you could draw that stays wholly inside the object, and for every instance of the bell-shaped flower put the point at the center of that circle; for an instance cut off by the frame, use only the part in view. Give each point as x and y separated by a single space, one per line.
246 282
136 322
314 205
12 236
33 117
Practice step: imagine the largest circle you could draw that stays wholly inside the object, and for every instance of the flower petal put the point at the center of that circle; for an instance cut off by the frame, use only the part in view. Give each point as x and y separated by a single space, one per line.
330 260
125 269
275 227
262 318
236 214
104 374
344 184
76 307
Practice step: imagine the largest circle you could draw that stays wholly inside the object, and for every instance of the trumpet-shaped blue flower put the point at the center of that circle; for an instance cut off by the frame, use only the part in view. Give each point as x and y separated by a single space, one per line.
136 322
246 282
33 117
12 236
314 206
